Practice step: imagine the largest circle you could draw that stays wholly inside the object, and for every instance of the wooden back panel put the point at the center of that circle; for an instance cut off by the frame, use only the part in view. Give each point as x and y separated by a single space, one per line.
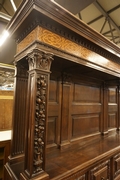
75 111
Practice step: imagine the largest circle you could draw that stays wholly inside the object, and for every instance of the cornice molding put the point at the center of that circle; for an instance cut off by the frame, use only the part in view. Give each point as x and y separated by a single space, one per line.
52 12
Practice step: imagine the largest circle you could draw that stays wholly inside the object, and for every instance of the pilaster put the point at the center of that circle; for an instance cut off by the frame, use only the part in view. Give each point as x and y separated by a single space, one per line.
105 110
19 113
37 100
118 102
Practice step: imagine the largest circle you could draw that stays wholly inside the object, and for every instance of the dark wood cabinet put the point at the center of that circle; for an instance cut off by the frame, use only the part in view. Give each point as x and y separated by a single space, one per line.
66 110
4 153
101 172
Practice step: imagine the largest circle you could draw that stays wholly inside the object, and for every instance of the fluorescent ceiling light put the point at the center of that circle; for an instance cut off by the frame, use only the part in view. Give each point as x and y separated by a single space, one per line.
5 16
3 37
13 5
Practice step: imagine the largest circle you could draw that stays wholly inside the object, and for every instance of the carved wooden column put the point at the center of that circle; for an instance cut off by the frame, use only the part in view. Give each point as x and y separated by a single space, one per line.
19 113
38 88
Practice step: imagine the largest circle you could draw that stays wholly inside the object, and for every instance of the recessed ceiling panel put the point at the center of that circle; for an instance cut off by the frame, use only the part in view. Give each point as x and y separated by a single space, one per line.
90 13
7 8
109 4
74 6
115 15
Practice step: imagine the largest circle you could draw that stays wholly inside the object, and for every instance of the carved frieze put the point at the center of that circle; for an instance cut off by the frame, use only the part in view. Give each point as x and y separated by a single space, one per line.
73 40
73 48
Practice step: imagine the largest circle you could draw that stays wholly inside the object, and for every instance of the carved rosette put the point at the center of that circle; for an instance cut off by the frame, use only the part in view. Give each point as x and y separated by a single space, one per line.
39 60
40 117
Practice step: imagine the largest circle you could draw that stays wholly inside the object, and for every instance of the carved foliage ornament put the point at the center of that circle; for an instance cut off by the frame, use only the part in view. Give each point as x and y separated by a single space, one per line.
40 118
39 60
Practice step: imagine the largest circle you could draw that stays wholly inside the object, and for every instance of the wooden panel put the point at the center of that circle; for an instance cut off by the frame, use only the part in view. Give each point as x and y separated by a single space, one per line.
84 108
65 112
112 120
53 109
53 88
117 163
85 124
117 178
54 113
112 95
112 107
51 134
6 103
4 153
101 174
83 93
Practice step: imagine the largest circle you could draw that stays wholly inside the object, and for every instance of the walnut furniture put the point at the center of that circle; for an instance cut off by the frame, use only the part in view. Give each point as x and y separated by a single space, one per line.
66 110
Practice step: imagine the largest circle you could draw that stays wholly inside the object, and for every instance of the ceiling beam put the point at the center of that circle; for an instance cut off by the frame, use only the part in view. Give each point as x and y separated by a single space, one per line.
100 8
1 3
5 17
111 31
105 33
113 9
13 5
103 26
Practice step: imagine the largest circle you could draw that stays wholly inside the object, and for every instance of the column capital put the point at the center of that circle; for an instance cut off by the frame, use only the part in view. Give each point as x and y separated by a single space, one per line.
38 59
20 70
